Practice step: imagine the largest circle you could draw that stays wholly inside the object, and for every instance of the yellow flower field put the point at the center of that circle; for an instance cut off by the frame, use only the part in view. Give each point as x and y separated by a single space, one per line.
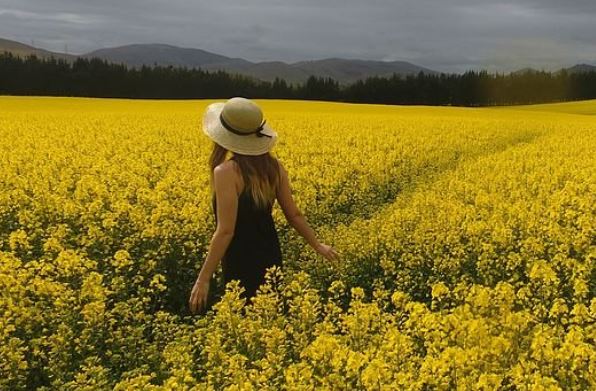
468 242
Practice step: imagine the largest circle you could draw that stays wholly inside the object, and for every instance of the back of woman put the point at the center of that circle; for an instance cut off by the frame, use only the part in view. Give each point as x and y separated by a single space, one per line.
244 189
255 244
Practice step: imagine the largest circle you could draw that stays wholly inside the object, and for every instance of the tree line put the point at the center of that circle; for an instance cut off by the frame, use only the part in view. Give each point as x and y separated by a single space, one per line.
98 78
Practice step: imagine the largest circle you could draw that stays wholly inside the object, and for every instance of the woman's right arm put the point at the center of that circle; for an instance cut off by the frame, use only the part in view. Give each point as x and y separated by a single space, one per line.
297 220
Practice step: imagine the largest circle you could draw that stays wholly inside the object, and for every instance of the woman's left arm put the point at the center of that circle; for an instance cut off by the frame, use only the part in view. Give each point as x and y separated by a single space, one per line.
227 205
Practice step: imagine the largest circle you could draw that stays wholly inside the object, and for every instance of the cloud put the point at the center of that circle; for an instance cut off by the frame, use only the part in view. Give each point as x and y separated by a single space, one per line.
56 17
447 35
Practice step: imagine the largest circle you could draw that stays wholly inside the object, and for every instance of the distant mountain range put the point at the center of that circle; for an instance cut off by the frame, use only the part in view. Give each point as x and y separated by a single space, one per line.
578 68
340 69
21 49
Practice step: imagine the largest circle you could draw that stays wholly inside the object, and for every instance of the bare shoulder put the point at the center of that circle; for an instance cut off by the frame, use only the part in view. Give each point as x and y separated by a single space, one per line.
227 173
226 170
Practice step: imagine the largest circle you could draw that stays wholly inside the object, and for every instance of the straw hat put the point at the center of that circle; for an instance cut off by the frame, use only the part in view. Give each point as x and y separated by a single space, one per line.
238 126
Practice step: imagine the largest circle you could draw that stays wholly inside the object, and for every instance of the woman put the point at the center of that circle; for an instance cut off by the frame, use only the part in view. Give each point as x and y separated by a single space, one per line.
244 189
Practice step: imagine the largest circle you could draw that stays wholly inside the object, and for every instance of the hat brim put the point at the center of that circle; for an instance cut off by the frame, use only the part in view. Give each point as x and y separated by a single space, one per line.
244 145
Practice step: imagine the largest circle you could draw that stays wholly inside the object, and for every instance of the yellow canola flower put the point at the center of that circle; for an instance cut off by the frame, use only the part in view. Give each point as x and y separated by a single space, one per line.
466 234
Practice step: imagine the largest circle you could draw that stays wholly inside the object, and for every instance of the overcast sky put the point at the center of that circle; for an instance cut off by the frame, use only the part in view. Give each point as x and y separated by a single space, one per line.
445 35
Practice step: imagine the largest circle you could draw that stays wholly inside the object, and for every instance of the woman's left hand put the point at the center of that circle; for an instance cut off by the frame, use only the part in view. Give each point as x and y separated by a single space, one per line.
198 296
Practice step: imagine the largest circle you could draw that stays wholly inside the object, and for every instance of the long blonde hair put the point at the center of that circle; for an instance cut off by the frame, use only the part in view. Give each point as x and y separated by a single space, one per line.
261 174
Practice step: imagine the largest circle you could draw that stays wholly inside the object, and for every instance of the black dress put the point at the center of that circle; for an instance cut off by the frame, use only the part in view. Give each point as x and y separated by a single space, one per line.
254 246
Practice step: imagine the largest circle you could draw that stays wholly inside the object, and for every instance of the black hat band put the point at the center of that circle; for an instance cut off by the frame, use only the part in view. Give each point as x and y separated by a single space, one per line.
239 133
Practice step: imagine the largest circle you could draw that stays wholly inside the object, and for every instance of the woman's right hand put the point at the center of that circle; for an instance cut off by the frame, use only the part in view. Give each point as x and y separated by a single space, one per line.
327 251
